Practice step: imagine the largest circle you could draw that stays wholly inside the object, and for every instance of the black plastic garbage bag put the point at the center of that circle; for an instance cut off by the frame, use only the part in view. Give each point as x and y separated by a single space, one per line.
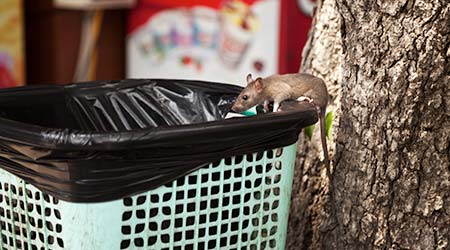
101 141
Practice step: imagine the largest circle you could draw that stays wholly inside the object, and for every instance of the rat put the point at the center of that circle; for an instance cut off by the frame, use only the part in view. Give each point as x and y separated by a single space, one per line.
278 88
300 87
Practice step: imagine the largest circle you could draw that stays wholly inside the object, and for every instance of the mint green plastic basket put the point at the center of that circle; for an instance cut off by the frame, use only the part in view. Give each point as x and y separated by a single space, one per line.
241 202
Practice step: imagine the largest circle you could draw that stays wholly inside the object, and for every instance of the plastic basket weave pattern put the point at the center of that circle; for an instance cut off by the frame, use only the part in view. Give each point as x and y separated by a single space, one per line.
240 202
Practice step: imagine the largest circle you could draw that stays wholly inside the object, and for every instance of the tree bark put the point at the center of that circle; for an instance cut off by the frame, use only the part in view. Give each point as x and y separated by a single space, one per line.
387 65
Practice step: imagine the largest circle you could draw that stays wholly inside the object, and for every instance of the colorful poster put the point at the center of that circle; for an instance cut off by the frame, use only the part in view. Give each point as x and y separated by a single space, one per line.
216 43
12 63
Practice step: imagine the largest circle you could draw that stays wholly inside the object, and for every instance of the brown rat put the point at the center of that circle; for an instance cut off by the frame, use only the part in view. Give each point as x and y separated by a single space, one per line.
300 87
278 88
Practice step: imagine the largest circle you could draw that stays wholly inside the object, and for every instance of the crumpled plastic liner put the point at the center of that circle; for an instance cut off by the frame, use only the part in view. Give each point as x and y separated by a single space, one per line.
100 141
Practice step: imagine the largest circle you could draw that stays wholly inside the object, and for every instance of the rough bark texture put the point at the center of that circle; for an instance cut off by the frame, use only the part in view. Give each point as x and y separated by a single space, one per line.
387 64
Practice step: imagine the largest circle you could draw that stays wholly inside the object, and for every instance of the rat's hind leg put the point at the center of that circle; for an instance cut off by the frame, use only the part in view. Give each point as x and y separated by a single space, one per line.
304 99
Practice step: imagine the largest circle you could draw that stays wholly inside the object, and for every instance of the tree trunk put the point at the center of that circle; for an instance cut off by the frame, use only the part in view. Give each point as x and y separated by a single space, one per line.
387 66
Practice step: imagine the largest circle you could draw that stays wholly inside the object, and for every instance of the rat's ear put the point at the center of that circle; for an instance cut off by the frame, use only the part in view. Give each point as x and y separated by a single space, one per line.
258 84
249 78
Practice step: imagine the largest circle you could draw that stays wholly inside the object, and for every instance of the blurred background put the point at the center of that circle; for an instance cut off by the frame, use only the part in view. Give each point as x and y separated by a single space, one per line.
64 41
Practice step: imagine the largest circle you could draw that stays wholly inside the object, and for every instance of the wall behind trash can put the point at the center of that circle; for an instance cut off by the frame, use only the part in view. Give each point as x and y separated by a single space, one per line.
52 38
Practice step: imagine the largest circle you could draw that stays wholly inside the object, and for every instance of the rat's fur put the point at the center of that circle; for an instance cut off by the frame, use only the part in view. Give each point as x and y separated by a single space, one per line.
278 88
300 87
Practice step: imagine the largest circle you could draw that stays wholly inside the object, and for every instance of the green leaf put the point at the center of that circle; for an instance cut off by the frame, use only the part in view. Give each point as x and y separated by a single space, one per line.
309 131
328 123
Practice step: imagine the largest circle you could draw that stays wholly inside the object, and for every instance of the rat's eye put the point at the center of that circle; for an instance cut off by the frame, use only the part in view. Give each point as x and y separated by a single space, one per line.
245 97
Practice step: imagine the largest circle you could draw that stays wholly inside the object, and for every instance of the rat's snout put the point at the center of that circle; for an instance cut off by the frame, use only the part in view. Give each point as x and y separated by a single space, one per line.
236 108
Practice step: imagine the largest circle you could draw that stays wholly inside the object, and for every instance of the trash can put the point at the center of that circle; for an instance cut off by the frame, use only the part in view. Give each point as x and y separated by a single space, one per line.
143 164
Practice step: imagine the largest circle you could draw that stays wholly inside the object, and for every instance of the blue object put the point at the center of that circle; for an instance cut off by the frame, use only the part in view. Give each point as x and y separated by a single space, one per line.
250 112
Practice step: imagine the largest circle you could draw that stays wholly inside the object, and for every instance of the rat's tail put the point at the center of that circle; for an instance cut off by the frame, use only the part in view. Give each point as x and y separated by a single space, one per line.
323 136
